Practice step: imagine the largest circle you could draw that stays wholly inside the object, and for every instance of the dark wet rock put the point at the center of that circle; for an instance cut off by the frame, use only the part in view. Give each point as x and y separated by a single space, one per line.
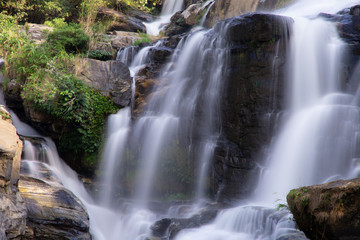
13 95
53 211
236 175
177 25
160 228
253 95
173 41
160 54
170 227
121 22
111 78
142 16
144 87
328 211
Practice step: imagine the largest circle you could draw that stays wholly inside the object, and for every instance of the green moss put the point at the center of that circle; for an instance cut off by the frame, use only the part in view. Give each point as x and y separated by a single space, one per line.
5 116
144 38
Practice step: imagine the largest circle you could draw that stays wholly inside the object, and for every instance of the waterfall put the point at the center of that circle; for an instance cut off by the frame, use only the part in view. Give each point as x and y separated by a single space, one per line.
181 121
169 8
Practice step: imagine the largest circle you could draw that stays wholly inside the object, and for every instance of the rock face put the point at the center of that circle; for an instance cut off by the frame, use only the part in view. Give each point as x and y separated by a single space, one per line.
111 78
223 9
36 32
253 90
121 22
53 211
10 152
329 211
177 25
12 206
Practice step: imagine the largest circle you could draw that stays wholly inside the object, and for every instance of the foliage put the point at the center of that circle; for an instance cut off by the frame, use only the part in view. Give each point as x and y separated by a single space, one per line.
56 23
12 38
38 11
45 73
101 55
144 5
67 98
71 37
15 8
4 115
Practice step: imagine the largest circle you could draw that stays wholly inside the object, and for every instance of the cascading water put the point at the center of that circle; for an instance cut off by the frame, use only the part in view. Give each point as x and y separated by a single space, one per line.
170 7
160 127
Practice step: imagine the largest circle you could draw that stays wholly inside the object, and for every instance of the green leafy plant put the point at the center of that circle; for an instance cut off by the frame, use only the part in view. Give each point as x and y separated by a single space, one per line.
101 55
71 37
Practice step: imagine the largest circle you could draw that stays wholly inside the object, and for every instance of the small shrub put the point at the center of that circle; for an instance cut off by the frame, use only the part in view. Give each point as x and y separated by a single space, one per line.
71 37
101 55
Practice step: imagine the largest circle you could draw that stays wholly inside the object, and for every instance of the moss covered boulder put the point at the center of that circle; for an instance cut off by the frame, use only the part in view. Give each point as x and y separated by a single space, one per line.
328 211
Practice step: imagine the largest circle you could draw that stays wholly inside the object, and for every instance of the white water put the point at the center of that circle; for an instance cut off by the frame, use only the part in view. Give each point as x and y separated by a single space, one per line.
117 132
170 7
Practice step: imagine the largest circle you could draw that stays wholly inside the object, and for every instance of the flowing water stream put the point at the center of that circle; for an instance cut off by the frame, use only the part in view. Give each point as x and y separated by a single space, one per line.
170 7
315 145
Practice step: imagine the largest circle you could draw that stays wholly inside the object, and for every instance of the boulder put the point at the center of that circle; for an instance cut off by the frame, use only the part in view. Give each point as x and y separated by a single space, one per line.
124 39
177 25
37 32
121 22
111 78
53 211
191 14
328 211
10 153
160 55
121 39
12 206
168 228
12 215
